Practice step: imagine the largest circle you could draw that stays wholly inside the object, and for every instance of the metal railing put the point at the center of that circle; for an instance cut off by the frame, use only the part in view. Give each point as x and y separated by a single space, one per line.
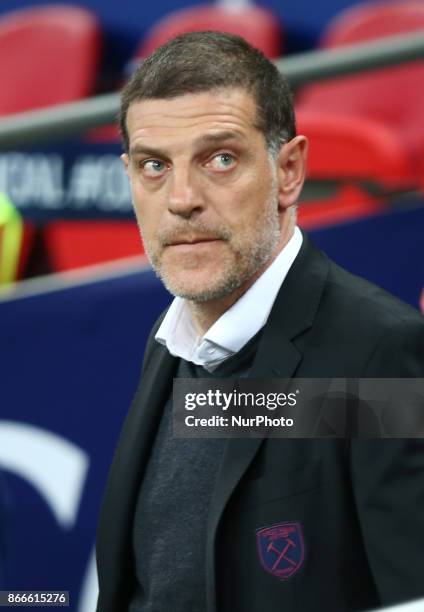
66 120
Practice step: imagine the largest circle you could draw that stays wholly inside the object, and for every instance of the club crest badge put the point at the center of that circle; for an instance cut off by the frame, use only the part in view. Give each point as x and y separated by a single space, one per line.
281 549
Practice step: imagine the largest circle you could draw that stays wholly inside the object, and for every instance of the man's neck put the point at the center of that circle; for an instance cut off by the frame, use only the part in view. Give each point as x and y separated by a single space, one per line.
205 314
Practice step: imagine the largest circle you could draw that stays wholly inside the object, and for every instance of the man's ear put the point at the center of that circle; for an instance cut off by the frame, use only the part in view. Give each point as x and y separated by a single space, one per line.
126 161
291 170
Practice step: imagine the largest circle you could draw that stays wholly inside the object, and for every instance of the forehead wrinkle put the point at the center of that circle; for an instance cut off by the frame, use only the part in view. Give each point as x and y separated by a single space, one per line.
191 108
191 117
225 123
158 138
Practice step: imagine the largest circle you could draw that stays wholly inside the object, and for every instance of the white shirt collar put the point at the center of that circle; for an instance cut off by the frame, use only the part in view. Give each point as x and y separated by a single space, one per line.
237 325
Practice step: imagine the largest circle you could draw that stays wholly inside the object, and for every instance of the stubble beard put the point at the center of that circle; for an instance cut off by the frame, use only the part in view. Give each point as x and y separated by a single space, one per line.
249 252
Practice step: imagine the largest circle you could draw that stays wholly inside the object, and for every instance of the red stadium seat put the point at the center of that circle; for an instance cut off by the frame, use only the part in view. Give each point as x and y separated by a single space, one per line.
359 160
259 26
48 55
75 244
394 95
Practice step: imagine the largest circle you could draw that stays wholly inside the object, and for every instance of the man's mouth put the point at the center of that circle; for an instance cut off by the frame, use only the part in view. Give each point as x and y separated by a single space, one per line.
193 241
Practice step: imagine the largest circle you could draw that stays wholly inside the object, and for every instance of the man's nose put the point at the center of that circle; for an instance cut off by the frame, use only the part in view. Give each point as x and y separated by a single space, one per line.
184 193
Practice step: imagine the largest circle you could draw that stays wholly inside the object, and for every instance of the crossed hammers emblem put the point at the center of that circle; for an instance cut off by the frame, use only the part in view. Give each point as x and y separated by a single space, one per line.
281 553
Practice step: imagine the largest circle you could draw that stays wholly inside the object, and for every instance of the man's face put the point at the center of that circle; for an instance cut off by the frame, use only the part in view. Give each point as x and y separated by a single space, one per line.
205 191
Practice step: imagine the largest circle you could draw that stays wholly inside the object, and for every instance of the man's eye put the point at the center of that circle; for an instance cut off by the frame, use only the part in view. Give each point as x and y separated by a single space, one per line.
153 167
222 161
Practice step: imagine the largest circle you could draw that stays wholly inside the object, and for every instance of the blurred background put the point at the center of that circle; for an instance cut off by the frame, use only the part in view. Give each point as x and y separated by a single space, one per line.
77 297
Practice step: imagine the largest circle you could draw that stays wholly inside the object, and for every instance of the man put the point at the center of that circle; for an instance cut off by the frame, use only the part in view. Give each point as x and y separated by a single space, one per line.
216 170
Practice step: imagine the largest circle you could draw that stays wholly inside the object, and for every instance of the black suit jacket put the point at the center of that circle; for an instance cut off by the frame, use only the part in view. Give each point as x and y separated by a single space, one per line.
359 503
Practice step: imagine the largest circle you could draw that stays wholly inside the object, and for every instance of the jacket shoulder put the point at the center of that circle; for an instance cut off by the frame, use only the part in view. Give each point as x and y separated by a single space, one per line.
387 332
363 301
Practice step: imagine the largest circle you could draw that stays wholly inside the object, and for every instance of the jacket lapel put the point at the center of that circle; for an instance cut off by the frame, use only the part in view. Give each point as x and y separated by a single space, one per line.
293 313
115 524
